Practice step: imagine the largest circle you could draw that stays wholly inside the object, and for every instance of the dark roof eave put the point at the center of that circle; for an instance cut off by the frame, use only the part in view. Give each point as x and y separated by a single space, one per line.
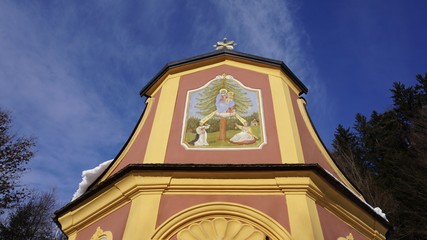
225 168
225 52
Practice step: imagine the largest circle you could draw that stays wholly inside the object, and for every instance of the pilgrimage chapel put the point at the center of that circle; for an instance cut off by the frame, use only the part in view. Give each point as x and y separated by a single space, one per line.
224 150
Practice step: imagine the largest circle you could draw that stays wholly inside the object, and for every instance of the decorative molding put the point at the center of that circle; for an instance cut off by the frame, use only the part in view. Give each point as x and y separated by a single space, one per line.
214 210
220 228
102 235
269 183
349 237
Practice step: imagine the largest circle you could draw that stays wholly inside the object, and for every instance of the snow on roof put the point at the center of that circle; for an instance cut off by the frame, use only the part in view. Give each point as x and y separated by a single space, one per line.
380 212
89 176
377 210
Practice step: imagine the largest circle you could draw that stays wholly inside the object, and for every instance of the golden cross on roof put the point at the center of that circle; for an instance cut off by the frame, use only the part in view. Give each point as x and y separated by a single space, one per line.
225 44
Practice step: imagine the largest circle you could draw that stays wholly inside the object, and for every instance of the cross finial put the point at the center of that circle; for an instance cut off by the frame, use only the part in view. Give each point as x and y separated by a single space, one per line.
225 44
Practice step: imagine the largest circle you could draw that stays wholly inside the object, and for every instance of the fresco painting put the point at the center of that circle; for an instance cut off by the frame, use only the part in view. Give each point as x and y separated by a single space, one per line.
223 114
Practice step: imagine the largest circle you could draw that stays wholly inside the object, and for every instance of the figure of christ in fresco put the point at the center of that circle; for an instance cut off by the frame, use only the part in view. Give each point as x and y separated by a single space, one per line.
201 138
245 136
230 102
224 105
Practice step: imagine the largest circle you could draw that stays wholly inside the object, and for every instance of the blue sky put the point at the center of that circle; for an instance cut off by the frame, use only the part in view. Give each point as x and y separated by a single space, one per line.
70 71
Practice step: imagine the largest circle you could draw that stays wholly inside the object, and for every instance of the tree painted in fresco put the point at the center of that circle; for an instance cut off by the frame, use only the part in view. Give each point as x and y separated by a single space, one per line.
207 100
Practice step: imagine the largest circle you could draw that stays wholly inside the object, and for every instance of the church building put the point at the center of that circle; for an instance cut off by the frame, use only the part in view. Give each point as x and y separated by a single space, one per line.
224 149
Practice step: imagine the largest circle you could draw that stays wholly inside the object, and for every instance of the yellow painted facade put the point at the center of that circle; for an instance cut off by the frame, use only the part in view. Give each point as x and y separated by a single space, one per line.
281 87
301 194
159 135
289 142
152 199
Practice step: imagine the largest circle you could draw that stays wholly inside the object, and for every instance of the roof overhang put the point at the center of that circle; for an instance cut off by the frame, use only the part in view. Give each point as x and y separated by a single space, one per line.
215 57
231 171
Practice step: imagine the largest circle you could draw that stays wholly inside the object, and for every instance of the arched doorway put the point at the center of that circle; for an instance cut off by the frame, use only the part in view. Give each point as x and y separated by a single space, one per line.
221 219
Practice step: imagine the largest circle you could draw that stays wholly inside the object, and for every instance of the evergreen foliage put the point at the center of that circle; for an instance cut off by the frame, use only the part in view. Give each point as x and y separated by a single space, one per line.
385 156
206 101
192 124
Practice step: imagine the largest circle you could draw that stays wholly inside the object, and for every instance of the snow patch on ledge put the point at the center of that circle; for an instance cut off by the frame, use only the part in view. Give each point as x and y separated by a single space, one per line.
380 212
377 210
89 176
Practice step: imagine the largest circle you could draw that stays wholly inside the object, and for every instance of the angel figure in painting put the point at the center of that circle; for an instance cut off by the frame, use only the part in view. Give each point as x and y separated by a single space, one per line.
201 138
245 136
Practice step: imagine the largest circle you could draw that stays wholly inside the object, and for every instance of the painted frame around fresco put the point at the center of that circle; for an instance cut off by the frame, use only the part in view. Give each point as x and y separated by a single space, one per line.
248 108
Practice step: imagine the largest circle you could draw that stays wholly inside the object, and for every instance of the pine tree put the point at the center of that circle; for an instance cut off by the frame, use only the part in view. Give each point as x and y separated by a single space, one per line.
206 103
385 155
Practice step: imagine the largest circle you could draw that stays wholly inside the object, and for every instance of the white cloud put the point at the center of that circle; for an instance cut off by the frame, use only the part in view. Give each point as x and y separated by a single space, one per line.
71 72
269 29
58 91
265 28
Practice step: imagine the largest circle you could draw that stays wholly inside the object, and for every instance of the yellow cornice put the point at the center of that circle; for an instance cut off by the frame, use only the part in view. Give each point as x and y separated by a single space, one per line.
304 183
115 196
92 210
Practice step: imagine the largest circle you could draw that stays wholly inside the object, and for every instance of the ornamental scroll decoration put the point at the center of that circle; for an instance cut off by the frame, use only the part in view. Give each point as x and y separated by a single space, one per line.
102 235
220 228
349 237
